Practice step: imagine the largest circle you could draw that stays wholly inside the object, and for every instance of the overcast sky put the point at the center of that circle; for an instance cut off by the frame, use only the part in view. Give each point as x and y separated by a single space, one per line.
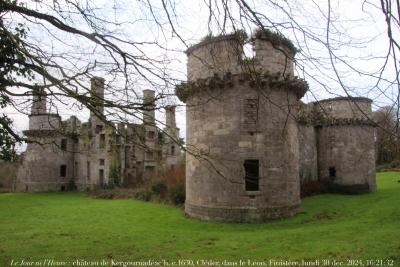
358 35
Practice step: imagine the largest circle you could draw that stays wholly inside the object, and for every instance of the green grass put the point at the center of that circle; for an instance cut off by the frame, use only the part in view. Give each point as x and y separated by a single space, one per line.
66 226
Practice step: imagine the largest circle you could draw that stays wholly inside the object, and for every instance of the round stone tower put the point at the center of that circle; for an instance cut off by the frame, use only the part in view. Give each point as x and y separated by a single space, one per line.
242 163
346 144
45 166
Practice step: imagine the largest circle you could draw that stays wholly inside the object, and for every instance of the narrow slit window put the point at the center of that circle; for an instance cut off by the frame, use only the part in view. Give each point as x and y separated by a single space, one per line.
101 177
252 178
88 170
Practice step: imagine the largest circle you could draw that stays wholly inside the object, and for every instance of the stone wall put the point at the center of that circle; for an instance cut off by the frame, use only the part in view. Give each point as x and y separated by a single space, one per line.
268 58
345 107
41 165
223 54
346 157
217 133
8 175
238 119
216 55
308 153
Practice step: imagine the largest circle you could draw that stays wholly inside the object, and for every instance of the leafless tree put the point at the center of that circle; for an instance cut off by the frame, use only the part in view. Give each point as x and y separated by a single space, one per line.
58 45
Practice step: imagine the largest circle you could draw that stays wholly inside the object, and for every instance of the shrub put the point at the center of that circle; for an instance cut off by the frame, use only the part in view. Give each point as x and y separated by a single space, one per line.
395 164
143 194
113 175
160 188
177 195
175 182
118 193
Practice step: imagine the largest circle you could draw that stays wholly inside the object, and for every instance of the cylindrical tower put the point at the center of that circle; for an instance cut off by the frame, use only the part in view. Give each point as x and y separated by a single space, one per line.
48 160
346 150
242 163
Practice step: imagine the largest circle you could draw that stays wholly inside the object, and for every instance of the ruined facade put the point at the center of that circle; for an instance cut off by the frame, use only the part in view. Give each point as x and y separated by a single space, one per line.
64 155
247 147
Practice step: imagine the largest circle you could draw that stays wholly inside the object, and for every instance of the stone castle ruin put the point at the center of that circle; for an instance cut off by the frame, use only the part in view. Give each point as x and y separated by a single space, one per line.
253 141
65 155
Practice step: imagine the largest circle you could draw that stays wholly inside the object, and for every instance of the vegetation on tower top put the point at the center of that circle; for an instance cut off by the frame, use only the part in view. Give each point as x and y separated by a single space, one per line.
276 38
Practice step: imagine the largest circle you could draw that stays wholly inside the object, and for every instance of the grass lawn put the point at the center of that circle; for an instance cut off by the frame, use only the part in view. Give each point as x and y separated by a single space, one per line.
69 226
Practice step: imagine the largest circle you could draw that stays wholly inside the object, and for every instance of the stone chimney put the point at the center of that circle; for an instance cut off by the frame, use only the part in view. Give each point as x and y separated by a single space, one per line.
149 107
40 119
170 121
97 93
39 103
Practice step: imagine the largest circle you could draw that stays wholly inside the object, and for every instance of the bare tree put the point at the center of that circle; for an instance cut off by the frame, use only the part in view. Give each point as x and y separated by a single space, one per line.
387 137
56 46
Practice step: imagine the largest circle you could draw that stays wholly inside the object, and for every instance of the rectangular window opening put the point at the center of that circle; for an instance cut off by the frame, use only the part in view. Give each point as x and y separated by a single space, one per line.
151 135
101 177
98 128
332 172
64 144
101 162
252 178
88 170
102 143
76 169
63 170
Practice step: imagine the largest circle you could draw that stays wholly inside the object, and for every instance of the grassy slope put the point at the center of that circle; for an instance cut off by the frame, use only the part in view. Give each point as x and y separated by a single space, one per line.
69 226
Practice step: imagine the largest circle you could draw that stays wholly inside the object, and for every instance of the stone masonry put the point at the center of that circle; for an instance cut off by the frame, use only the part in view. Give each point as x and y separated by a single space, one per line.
338 144
65 155
249 143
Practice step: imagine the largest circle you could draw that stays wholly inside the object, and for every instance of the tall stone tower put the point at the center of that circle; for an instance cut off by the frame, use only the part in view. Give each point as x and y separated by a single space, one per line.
151 153
242 163
346 144
171 148
47 162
